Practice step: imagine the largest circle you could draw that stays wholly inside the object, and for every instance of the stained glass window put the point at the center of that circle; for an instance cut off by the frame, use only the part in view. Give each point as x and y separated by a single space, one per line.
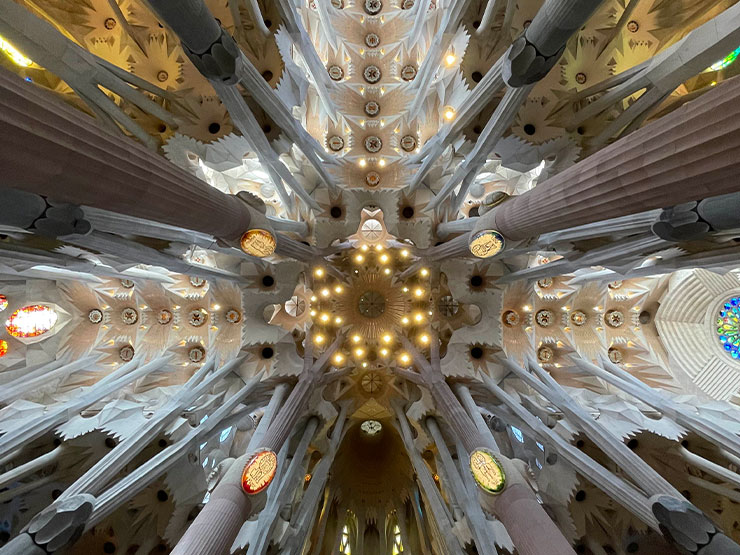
31 321
3 347
344 545
397 543
728 327
3 302
727 60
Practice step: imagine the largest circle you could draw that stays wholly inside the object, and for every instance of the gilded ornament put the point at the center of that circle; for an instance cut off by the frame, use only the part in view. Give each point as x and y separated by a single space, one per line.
259 471
258 242
486 244
487 471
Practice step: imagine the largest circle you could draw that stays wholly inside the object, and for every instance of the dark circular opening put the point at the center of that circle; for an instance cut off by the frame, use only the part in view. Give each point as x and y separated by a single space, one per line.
527 23
109 547
57 442
162 443
267 128
633 547
476 24
474 212
214 128
56 493
268 281
110 442
476 352
306 243
476 281
530 129
162 496
687 494
633 443
477 129
581 130
268 75
477 76
336 212
552 458
162 128
685 444
268 23
645 317
580 548
407 212
268 352
580 495
580 443
371 304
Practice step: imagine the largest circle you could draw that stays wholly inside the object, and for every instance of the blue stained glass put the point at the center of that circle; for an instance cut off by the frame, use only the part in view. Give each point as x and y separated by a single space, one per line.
728 327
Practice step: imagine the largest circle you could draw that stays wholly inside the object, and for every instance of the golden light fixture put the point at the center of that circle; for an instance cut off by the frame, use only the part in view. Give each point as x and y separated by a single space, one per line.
325 292
359 258
384 258
387 338
359 352
318 339
338 359
356 338
338 289
419 292
449 113
450 59
424 272
424 339
404 253
405 358
318 272
324 317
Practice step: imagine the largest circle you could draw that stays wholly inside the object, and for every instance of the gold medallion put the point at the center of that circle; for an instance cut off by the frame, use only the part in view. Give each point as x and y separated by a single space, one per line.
487 471
487 244
258 242
259 471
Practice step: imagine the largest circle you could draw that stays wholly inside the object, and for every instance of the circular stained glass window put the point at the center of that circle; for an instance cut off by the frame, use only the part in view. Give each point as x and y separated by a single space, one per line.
31 321
371 427
728 327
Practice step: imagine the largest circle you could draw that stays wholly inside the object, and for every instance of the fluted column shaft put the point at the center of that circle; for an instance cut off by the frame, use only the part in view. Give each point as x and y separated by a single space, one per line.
52 149
687 155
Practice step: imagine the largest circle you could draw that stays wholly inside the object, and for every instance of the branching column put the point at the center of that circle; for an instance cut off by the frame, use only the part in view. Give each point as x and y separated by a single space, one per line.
688 155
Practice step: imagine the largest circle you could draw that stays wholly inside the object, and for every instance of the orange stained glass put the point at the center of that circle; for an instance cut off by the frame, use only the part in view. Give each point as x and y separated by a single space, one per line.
31 321
3 347
259 472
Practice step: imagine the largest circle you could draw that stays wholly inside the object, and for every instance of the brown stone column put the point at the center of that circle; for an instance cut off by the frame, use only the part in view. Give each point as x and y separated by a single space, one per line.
692 153
52 149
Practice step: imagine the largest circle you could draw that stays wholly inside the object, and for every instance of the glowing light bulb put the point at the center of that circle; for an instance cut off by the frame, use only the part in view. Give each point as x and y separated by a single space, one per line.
324 317
387 271
338 289
325 292
362 162
364 248
419 317
449 113
384 352
318 339
379 248
364 364
405 358
405 321
424 339
387 338
424 272
381 162
359 258
384 258
338 358
314 313
405 289
314 298
404 253
318 272
356 338
338 320
419 292
450 59
359 352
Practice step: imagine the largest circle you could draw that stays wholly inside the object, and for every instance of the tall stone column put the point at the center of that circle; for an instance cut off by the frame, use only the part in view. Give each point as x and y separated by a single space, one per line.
52 149
690 154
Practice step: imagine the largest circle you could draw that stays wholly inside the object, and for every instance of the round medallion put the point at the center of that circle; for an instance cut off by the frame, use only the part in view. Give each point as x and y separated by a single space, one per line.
615 284
372 40
197 317
372 230
408 72
615 355
126 353
258 242
371 382
578 318
614 318
728 327
196 354
544 318
127 283
129 316
164 316
511 318
486 244
371 74
372 179
407 4
633 26
448 306
95 316
338 4
162 76
197 281
581 78
373 144
336 73
372 108
109 23
545 283
371 304
259 471
545 354
336 143
408 143
371 427
233 316
373 6
487 471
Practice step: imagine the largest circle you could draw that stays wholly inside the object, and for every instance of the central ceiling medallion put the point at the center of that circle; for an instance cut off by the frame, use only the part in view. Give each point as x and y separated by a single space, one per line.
372 304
